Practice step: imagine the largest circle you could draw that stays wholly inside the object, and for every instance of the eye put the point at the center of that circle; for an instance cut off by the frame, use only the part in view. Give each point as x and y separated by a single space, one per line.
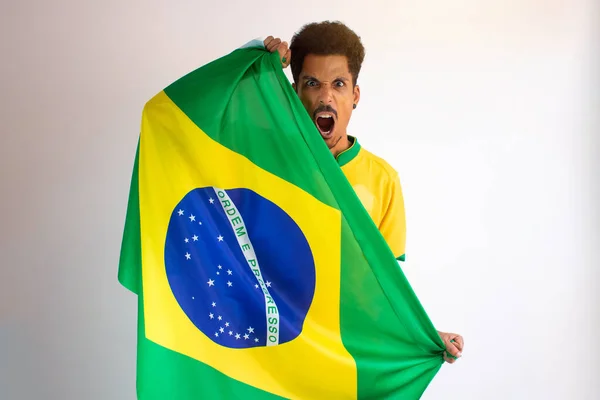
339 83
311 83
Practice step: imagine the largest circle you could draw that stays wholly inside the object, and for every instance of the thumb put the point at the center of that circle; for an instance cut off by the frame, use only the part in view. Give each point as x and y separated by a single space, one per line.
287 58
282 49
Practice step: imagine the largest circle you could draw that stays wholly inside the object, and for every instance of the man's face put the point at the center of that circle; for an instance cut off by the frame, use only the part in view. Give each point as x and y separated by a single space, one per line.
325 88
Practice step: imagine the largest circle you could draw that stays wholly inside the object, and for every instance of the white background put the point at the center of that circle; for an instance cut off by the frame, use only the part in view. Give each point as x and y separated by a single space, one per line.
488 110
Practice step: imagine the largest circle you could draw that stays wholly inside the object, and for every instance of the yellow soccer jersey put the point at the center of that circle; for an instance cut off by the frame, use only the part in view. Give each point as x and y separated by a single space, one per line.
378 187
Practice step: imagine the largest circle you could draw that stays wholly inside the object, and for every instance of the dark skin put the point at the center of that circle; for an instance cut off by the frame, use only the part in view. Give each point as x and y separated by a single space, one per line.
326 90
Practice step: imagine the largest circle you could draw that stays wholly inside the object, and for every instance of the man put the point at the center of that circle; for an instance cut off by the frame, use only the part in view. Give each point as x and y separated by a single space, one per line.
326 59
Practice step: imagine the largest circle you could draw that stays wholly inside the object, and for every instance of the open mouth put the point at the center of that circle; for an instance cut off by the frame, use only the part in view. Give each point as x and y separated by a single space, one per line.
325 124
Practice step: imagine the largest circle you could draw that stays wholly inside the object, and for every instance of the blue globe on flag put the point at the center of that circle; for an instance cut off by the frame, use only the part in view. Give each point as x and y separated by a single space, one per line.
239 266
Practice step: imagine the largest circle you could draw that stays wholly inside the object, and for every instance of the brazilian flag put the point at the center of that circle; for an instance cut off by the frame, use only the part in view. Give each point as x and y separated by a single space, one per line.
259 273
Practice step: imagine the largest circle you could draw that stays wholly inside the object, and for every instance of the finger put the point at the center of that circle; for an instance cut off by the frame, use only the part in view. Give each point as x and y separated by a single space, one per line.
273 44
458 342
282 49
452 349
268 40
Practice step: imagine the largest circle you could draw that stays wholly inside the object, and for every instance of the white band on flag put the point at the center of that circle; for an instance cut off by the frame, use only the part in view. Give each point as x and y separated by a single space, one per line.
241 234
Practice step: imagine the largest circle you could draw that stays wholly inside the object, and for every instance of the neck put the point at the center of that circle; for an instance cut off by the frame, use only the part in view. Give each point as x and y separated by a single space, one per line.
342 145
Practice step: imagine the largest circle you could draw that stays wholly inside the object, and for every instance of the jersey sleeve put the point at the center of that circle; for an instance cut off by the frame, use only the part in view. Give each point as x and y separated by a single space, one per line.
393 223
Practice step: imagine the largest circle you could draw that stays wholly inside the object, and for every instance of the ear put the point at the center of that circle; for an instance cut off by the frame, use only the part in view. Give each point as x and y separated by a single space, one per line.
294 86
356 93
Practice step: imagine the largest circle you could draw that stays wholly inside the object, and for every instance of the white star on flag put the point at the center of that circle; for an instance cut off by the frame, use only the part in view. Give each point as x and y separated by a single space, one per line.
220 238
195 238
192 218
211 282
229 284
229 272
246 336
211 200
188 256
251 330
180 212
211 316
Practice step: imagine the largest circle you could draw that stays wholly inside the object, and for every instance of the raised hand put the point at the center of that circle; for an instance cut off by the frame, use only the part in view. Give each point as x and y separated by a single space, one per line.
275 44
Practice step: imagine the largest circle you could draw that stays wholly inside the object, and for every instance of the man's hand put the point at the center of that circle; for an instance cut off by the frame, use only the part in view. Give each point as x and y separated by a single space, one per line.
275 44
454 346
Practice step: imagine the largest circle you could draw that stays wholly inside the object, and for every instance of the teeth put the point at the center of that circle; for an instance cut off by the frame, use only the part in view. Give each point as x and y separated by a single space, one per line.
325 116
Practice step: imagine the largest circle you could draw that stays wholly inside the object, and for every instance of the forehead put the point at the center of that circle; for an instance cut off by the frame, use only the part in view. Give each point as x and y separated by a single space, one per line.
325 66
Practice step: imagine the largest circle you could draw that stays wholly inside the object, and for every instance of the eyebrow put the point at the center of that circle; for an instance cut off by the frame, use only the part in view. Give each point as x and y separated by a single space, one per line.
339 78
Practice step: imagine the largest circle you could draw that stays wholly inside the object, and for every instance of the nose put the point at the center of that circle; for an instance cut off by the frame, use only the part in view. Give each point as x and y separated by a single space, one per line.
325 94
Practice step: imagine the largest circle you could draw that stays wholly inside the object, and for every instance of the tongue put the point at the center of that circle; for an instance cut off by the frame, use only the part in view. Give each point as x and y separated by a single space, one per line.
325 124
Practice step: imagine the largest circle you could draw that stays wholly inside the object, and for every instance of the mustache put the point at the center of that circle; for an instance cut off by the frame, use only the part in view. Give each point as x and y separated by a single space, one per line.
323 108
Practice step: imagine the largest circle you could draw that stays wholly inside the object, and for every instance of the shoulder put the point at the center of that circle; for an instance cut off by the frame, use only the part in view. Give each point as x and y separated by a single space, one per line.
380 167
